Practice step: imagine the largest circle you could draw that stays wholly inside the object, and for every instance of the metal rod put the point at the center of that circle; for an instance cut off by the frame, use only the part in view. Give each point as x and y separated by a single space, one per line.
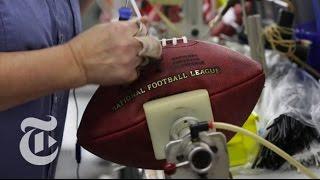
256 40
136 9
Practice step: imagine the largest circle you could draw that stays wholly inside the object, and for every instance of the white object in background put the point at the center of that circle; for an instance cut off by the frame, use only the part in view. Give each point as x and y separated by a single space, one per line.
136 8
256 40
230 17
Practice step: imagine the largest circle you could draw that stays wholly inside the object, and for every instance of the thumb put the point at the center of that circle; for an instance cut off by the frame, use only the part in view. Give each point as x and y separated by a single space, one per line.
142 28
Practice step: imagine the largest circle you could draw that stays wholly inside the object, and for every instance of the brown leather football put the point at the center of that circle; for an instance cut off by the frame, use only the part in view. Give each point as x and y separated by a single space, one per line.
114 125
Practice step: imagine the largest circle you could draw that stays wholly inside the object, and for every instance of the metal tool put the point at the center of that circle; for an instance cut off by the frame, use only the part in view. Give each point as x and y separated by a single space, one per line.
136 9
199 155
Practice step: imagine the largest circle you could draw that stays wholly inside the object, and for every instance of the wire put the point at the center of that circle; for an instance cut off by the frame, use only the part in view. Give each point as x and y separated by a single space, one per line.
78 148
77 107
78 171
231 3
136 9
274 34
290 159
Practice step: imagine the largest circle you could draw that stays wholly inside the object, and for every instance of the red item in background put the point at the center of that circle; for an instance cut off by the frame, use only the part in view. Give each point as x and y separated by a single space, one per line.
146 8
172 12
227 29
114 125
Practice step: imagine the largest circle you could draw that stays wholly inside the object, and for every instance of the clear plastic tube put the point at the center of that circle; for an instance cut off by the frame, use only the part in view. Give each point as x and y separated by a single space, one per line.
290 159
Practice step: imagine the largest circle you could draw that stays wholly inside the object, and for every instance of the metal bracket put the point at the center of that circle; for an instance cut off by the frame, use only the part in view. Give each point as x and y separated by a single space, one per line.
207 158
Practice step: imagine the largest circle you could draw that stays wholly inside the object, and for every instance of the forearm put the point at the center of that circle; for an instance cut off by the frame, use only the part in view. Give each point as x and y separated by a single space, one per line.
25 76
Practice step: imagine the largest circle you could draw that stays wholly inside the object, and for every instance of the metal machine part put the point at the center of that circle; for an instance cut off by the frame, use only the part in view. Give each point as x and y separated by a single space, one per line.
200 157
196 151
181 127
181 133
206 158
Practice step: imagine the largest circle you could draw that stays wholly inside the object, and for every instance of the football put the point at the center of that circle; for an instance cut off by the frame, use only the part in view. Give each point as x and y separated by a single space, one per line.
114 125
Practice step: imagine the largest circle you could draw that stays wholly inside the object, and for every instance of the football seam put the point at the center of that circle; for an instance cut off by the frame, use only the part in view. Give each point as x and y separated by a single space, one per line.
95 139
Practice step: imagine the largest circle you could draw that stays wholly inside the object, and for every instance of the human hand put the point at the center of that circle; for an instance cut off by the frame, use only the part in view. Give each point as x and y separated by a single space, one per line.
109 54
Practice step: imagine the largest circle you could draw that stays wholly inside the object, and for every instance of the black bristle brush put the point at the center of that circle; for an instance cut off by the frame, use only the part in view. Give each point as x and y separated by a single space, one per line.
288 134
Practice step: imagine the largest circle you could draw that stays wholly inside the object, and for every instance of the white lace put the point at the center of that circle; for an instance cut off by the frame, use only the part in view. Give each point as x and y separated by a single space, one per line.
174 41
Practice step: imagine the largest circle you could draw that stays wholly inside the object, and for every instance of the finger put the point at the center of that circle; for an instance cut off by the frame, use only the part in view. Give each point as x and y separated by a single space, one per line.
145 20
143 30
151 47
139 68
134 76
137 28
137 46
137 61
132 27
